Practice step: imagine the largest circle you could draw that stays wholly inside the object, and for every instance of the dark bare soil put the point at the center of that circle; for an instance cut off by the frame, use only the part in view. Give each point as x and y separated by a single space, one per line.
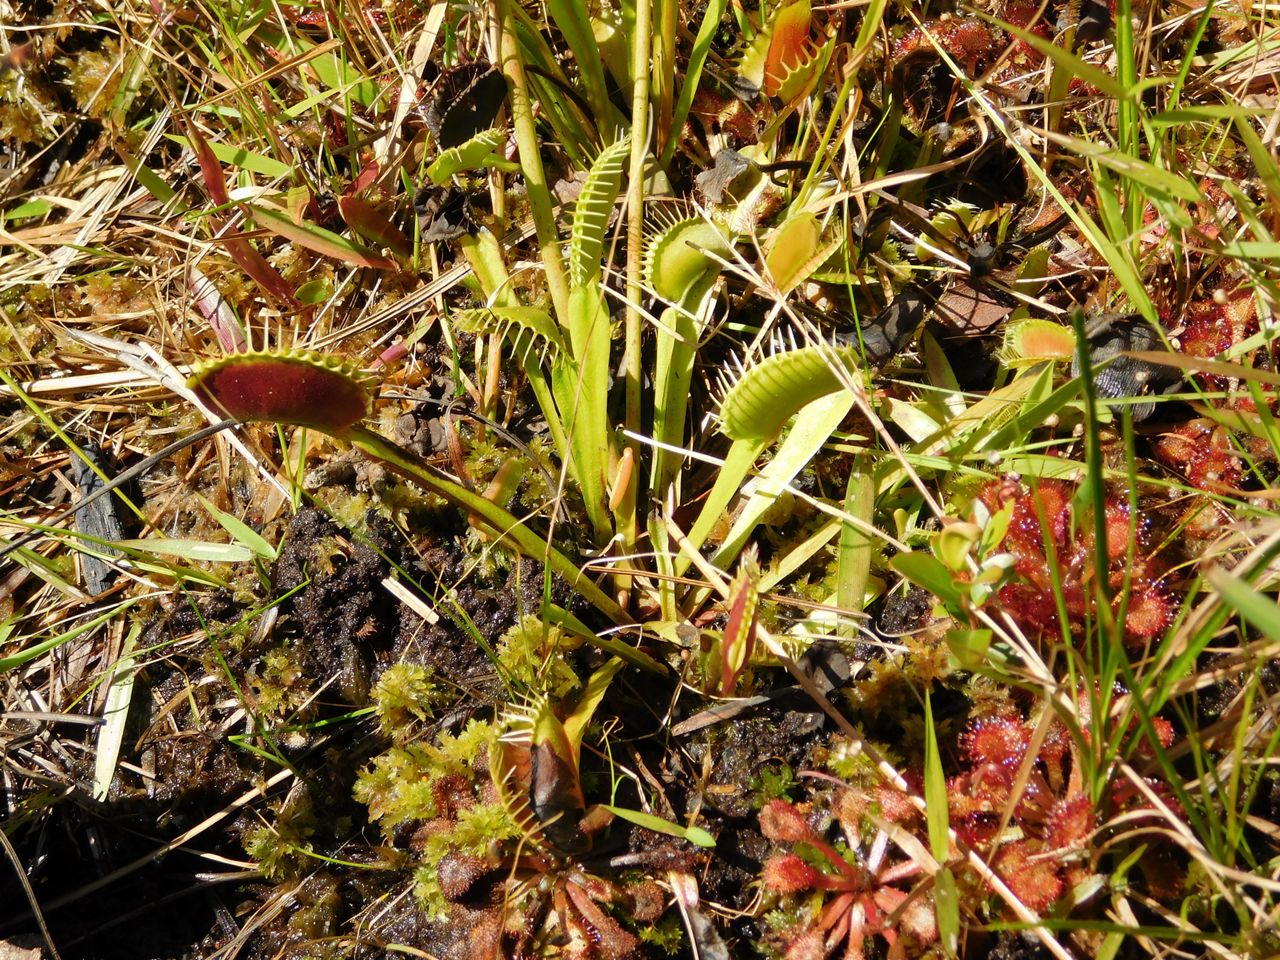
111 887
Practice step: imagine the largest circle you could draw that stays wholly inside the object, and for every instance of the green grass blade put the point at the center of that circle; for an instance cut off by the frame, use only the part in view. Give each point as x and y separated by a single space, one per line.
115 715
1260 611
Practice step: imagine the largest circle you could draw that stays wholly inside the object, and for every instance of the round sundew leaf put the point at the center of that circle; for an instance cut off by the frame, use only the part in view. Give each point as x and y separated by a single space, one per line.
306 390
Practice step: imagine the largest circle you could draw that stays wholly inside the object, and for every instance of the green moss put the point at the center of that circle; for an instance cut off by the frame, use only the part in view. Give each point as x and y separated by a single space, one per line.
397 787
400 785
404 693
94 76
281 848
774 782
278 682
667 935
532 653
348 510
848 761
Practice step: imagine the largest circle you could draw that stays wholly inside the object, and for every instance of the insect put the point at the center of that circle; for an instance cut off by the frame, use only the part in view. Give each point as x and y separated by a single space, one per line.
466 100
95 517
1090 18
973 304
1115 375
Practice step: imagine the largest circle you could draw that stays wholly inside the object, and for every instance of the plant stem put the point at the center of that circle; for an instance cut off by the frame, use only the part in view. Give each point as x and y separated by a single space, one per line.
531 163
641 42
664 72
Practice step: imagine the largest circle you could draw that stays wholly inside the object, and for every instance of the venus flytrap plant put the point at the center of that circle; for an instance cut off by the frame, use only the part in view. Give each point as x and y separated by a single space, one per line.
681 267
583 397
573 393
758 404
321 393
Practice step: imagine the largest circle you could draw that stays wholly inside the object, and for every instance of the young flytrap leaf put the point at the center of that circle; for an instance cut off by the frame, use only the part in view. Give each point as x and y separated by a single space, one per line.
788 43
369 222
591 215
740 628
244 534
755 408
535 765
238 248
317 239
695 835
188 549
467 156
1032 341
783 58
236 156
524 325
945 896
582 388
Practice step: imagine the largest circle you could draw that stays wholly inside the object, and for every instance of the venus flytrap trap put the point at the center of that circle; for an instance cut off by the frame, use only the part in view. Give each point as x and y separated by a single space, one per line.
759 402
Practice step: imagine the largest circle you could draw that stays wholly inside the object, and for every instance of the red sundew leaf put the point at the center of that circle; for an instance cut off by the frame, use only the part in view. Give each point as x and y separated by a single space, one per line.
1149 613
990 784
366 220
967 41
895 806
457 873
300 389
976 830
996 740
601 929
1117 526
1036 881
783 822
1069 822
787 873
809 945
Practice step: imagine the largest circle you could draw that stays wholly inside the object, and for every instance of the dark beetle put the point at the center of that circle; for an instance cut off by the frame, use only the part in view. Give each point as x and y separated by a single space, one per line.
1111 335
